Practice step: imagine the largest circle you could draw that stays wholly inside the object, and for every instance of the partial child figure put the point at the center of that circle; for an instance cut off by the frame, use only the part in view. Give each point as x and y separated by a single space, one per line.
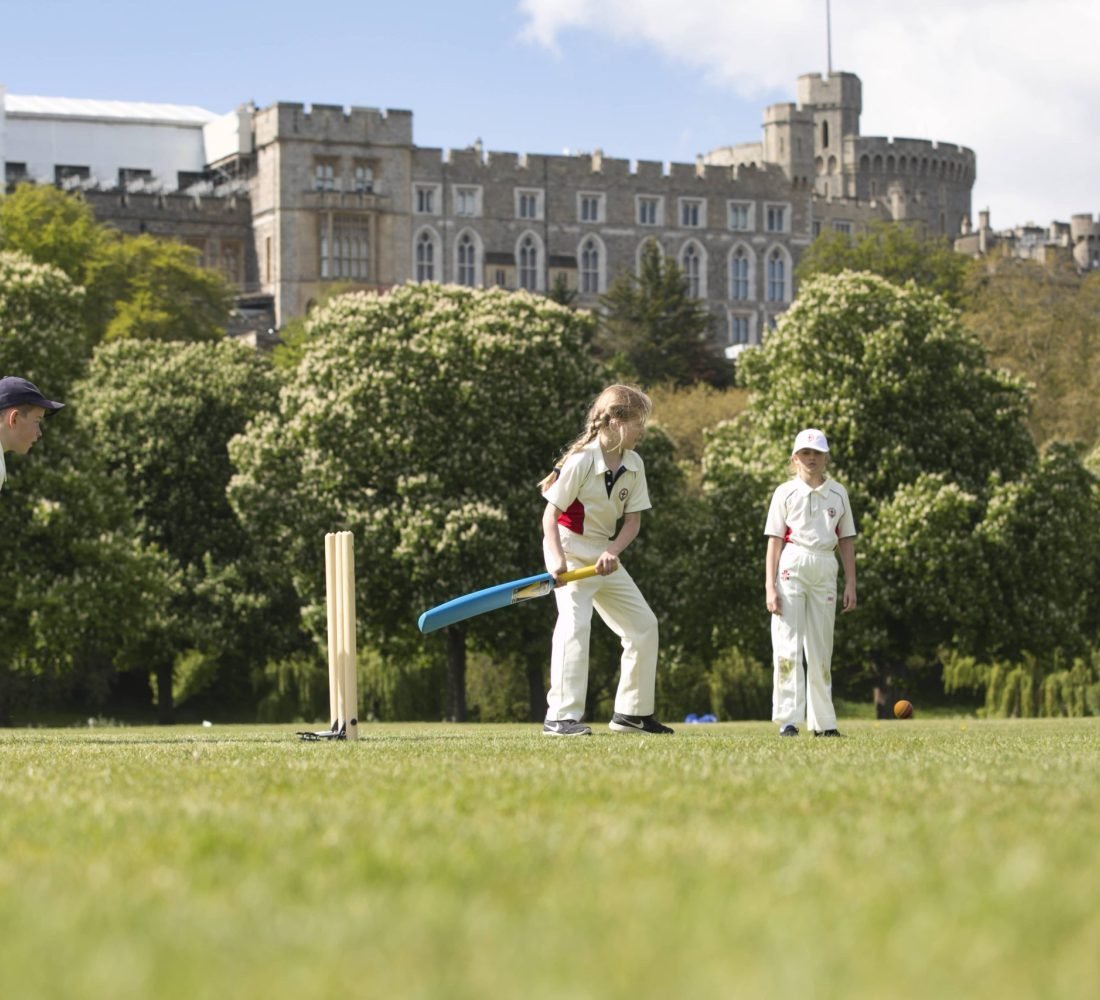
809 521
599 480
22 409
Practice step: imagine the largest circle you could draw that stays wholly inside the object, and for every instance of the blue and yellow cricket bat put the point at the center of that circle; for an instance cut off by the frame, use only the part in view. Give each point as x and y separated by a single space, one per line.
500 596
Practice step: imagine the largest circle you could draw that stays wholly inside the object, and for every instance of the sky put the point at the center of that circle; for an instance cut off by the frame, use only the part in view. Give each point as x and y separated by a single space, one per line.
1014 80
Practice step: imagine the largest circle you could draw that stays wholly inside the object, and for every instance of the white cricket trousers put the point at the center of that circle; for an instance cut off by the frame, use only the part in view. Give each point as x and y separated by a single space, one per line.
806 585
624 610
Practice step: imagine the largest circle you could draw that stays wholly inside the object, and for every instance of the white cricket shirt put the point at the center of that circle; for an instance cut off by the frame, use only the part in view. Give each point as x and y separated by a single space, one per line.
593 497
813 517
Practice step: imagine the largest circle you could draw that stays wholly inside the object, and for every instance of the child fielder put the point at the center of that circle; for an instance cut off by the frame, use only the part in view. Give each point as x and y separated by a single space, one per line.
809 520
599 480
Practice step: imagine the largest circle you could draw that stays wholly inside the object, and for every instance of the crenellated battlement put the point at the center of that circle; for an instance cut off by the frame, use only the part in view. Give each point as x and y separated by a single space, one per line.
649 170
586 170
140 206
830 90
928 154
333 123
787 114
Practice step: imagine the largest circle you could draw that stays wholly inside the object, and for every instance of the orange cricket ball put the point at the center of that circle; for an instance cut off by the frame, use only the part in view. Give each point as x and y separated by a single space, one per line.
903 709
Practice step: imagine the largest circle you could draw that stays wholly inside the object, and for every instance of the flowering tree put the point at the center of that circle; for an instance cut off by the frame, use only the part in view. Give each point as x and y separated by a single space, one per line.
934 449
42 336
160 415
80 587
421 420
896 382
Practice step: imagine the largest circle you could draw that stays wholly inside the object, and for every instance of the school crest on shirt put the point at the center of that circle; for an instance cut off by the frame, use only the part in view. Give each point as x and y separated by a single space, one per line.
831 512
624 493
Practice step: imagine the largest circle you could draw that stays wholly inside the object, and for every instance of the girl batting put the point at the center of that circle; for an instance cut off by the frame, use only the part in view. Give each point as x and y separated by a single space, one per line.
600 479
809 519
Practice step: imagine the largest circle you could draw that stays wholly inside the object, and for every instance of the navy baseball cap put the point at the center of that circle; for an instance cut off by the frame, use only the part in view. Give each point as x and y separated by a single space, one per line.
15 391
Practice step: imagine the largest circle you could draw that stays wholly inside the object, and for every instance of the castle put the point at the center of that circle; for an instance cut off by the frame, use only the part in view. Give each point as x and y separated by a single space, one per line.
1076 241
291 202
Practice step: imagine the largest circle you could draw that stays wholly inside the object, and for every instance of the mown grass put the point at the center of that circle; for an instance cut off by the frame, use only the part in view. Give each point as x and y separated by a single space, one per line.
917 859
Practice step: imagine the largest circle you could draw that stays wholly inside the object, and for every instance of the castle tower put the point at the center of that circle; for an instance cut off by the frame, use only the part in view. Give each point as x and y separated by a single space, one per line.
789 141
835 101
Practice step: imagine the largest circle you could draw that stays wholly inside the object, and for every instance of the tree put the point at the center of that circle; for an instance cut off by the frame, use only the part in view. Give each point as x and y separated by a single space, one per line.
918 551
896 381
59 229
686 413
161 293
85 597
899 253
1040 322
292 339
52 227
295 333
139 287
422 421
560 292
161 415
654 331
1039 539
944 478
80 588
42 334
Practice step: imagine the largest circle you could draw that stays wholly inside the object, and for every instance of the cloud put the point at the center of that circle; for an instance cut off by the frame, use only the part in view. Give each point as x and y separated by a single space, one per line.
1014 80
721 38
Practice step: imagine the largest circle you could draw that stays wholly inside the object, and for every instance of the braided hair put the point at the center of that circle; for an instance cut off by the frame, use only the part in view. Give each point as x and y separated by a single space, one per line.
622 403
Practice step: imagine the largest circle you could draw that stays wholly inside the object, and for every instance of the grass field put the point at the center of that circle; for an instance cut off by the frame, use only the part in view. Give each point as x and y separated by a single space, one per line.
946 858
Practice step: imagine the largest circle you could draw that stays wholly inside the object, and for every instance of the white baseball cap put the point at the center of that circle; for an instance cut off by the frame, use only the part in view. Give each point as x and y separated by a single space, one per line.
811 437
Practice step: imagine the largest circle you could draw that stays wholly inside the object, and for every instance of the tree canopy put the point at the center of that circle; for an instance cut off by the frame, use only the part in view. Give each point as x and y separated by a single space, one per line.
42 333
900 387
893 251
1040 322
934 449
82 589
422 420
161 293
136 287
52 227
160 416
